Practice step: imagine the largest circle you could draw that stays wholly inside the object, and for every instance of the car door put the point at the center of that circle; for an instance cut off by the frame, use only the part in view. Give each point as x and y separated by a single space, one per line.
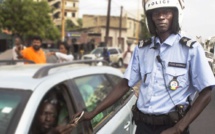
125 105
60 96
116 119
120 122
69 97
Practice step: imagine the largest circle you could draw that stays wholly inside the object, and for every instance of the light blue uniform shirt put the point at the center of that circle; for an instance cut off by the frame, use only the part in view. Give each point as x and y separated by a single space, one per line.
144 66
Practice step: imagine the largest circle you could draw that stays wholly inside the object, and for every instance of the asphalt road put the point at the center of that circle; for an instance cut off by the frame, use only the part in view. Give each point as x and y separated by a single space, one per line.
205 123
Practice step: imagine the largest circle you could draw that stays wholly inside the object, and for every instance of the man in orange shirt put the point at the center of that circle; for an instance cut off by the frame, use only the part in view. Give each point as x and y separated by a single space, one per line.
34 52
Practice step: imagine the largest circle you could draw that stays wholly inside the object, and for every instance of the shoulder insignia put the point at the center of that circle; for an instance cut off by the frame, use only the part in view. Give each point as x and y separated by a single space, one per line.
187 42
143 43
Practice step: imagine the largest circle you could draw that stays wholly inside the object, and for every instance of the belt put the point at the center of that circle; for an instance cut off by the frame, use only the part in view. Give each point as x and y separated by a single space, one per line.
163 119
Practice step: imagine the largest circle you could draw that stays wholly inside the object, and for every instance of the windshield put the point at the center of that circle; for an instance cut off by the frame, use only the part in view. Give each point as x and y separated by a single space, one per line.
11 102
97 51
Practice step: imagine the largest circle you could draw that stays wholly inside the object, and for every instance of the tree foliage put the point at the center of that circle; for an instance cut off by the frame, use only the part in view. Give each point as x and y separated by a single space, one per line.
71 26
28 18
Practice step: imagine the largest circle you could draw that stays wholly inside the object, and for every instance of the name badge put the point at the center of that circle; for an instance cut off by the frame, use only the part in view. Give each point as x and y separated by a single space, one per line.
175 64
173 84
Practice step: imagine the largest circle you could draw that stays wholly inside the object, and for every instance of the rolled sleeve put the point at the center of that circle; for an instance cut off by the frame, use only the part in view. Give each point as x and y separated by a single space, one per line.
201 73
132 73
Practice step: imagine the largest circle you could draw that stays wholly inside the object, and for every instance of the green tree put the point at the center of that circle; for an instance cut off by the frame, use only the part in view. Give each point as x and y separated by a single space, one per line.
144 34
71 26
80 22
28 18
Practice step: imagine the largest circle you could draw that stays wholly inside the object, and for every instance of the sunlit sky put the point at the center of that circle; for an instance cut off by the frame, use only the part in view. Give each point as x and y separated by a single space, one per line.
199 15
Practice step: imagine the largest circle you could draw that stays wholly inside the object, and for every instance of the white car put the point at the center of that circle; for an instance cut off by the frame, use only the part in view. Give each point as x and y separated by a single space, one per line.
80 86
116 56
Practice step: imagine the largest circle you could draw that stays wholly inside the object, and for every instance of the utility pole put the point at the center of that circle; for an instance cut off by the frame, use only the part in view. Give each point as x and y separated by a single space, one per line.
138 22
120 26
108 22
62 20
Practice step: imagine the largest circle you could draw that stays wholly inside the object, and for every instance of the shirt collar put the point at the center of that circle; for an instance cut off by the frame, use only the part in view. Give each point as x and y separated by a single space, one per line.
169 41
154 43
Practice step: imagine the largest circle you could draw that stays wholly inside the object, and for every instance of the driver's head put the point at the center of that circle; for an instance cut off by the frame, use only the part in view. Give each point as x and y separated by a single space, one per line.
47 115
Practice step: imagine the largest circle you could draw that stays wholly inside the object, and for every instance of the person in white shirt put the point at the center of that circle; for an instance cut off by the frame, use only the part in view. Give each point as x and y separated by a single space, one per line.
64 53
127 56
17 47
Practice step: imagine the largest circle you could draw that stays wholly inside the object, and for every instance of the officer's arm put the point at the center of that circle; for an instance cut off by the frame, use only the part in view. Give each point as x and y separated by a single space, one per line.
119 90
200 103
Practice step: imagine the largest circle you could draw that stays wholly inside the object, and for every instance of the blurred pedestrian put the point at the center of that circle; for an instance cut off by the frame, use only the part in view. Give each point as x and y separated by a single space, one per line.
64 54
34 52
127 57
106 55
18 47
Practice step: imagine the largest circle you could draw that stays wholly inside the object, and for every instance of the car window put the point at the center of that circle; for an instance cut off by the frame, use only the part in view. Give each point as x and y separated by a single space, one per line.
58 96
115 80
113 51
10 103
120 50
93 90
97 51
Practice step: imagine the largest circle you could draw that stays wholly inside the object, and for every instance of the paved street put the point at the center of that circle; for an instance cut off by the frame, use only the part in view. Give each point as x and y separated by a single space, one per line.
205 123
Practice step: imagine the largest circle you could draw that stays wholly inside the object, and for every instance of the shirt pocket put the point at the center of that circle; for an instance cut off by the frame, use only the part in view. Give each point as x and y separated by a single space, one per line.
181 75
146 76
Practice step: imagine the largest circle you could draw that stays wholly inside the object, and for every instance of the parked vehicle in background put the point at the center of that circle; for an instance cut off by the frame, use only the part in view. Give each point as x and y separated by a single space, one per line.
116 56
79 87
211 60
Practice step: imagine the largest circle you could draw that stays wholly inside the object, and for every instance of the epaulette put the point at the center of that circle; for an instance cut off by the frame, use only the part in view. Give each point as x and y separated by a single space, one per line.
143 43
187 42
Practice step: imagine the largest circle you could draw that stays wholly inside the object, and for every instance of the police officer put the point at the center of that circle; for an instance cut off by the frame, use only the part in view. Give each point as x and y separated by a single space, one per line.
171 67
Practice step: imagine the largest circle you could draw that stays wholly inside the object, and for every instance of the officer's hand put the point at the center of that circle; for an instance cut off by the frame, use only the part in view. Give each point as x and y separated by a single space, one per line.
172 130
86 116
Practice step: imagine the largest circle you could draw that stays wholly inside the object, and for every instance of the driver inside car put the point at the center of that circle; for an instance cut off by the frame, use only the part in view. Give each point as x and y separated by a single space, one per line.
46 119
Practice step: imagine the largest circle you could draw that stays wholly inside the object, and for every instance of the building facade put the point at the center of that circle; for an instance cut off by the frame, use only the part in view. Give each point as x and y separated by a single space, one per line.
118 36
69 10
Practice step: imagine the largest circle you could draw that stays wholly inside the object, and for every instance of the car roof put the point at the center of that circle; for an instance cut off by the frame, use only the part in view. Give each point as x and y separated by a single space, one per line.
22 76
